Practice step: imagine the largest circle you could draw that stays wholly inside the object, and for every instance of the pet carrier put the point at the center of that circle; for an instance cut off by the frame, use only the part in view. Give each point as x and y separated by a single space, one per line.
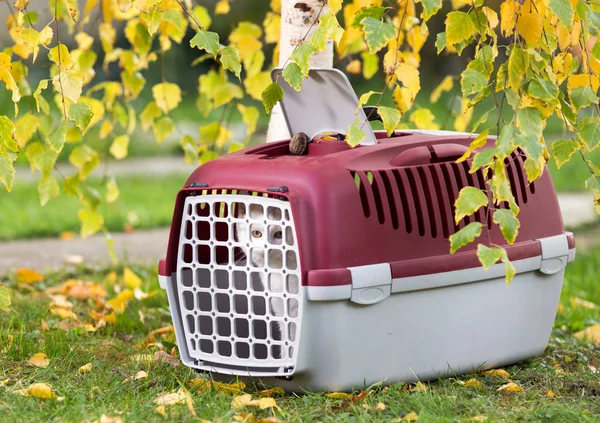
331 270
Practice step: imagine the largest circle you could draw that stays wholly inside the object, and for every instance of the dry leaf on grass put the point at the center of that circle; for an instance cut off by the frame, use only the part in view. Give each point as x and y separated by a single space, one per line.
141 375
419 387
45 327
38 390
171 398
86 368
39 360
120 302
497 372
339 395
28 276
131 279
551 394
409 417
581 303
380 406
204 385
510 387
143 358
109 419
246 400
271 392
591 334
163 357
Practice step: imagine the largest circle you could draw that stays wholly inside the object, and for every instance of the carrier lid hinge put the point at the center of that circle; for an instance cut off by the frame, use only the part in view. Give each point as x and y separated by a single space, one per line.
555 254
371 284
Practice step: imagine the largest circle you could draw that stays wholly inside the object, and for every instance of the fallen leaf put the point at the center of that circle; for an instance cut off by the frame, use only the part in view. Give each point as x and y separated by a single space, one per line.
171 398
143 358
591 333
419 387
558 370
67 325
205 385
120 302
66 236
472 383
109 419
339 395
551 394
380 406
28 276
511 387
410 417
141 375
139 294
39 360
241 401
161 410
163 332
497 372
6 382
38 390
560 308
111 278
163 357
45 327
581 303
131 279
74 259
475 419
86 368
271 392
266 402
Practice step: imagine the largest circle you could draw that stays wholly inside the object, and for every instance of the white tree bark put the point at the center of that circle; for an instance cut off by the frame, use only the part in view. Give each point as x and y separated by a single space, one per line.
298 17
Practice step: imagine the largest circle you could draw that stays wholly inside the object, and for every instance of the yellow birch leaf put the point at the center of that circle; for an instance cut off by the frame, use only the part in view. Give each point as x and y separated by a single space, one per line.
25 127
419 387
497 372
507 17
120 302
583 80
69 83
119 147
39 360
581 303
171 398
410 417
591 333
529 26
424 119
551 394
167 96
267 402
222 7
445 86
339 395
131 279
354 67
86 368
472 383
335 5
38 390
510 387
241 401
28 276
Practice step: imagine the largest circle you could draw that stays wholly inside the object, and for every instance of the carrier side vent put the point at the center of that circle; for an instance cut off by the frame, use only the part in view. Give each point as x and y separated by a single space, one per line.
420 199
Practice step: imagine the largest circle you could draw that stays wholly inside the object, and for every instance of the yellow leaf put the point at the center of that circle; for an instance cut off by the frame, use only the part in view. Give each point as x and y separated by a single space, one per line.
497 372
39 360
335 5
380 406
551 394
424 119
86 368
408 76
591 333
171 398
410 417
529 26
354 67
445 86
270 392
45 327
143 358
241 401
106 130
120 302
25 127
28 276
272 26
581 303
141 375
131 279
472 383
167 96
63 313
510 387
21 4
69 83
419 387
339 395
267 402
492 17
507 17
583 80
161 410
222 7
38 390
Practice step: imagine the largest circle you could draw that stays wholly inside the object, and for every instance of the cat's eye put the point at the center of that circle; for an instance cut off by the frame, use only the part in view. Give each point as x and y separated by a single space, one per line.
257 234
277 235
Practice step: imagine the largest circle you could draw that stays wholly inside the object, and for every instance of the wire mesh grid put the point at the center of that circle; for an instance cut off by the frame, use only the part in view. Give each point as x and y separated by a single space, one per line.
238 283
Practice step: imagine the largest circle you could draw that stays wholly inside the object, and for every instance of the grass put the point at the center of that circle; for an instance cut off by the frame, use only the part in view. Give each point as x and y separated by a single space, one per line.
144 202
566 368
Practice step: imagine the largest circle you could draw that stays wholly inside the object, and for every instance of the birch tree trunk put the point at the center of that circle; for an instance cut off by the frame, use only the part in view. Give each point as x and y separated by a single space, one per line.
297 19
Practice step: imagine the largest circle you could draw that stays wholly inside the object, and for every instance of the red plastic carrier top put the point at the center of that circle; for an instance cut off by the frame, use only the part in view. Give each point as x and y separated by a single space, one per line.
388 203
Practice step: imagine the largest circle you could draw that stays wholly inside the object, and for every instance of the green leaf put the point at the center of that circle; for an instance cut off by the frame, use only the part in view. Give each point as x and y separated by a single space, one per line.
465 236
355 134
504 142
563 9
230 59
541 89
25 127
85 159
329 28
7 171
91 222
167 96
59 137
582 97
48 189
162 128
40 157
206 40
589 134
250 117
374 12
459 27
271 95
377 33
509 224
529 122
489 256
518 62
293 76
430 8
81 114
152 18
440 42
478 142
301 54
563 151
235 146
484 158
370 64
469 200
119 147
40 101
4 298
6 134
390 117
364 99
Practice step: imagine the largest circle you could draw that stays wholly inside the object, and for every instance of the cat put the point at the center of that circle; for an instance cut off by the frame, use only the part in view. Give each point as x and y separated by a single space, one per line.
257 236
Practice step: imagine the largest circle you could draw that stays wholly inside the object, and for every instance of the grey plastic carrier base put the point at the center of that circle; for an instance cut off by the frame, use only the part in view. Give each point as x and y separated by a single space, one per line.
449 325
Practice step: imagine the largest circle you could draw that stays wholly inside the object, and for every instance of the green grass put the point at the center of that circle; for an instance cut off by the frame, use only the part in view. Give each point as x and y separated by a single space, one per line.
144 202
110 350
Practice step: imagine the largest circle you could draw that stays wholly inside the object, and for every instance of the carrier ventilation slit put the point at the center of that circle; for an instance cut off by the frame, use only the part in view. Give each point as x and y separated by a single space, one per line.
238 283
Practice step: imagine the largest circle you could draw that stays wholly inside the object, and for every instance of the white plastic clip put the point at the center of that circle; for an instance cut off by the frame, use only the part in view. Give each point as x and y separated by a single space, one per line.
371 284
555 254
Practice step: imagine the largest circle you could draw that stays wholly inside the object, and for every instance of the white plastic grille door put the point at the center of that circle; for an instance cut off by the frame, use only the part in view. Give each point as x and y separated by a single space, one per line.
238 284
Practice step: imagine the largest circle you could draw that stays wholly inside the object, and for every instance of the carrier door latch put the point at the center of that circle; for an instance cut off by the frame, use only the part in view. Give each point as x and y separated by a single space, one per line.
555 254
371 284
